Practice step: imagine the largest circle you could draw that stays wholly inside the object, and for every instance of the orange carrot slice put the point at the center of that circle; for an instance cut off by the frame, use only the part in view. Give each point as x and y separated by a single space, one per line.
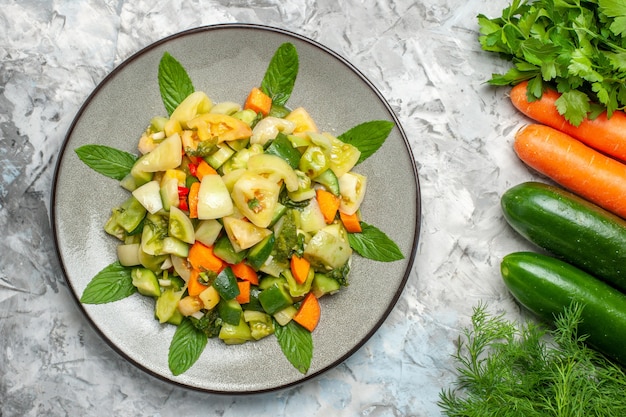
329 204
308 314
300 268
258 101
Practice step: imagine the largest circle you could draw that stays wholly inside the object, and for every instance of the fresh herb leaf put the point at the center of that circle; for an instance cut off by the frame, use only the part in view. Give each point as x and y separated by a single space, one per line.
113 283
296 343
368 137
511 369
186 347
281 73
174 82
107 161
374 244
571 46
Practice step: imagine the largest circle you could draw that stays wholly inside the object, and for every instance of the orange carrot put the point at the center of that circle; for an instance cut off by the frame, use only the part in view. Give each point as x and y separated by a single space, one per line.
203 169
608 135
201 257
245 272
300 268
308 314
351 222
195 287
244 292
192 199
258 101
329 204
572 164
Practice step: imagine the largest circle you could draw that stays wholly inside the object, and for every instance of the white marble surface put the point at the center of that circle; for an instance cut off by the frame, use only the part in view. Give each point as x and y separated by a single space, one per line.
424 57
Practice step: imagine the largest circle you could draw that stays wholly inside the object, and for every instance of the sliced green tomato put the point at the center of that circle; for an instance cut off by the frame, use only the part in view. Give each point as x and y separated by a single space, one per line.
176 247
214 199
167 305
256 198
166 156
284 316
329 180
194 104
207 231
342 156
243 234
272 165
295 289
130 214
169 193
231 177
146 282
323 284
180 226
226 107
234 335
352 191
219 126
153 234
149 195
329 248
310 218
314 161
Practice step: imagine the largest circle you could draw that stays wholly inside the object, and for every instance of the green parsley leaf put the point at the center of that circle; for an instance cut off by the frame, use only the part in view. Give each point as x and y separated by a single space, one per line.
374 244
174 82
113 283
281 73
186 347
617 10
367 137
107 161
296 343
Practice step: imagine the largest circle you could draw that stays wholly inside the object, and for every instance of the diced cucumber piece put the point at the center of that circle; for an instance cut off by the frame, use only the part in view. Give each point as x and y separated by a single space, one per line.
146 282
273 267
167 305
284 316
234 335
230 311
310 218
207 231
128 254
247 116
226 284
258 254
323 284
131 181
282 147
224 250
152 262
174 246
220 156
275 298
149 195
278 213
129 214
260 323
269 280
180 226
329 180
329 248
169 193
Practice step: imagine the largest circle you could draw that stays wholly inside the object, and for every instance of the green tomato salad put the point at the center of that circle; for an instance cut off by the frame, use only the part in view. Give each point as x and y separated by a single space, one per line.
240 215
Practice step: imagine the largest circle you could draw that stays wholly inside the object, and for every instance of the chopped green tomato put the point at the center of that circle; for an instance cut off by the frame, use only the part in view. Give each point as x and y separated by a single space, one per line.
298 290
242 234
194 104
282 147
273 267
274 166
165 156
234 335
329 248
129 214
284 316
180 226
314 161
177 247
157 124
226 107
259 253
128 254
240 159
246 116
275 298
231 177
154 231
152 262
342 156
256 198
329 180
310 218
135 179
207 231
223 249
214 199
304 191
226 284
167 305
230 311
352 187
146 282
323 284
261 324
169 193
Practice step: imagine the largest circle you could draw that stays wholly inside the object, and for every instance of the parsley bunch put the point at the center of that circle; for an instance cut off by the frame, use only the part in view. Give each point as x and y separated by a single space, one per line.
507 369
575 46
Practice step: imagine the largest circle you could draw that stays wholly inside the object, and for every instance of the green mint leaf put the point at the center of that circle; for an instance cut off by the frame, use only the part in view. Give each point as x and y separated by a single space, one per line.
186 347
174 82
296 343
281 73
374 244
113 283
368 137
107 161
574 106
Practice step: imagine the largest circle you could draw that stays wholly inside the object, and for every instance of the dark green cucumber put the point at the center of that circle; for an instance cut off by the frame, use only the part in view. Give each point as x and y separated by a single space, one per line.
547 285
570 228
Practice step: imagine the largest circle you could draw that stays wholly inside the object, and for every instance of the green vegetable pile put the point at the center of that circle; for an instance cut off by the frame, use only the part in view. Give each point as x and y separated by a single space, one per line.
577 46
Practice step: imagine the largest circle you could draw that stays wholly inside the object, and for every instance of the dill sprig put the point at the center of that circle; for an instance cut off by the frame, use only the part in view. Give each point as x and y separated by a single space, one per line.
511 369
